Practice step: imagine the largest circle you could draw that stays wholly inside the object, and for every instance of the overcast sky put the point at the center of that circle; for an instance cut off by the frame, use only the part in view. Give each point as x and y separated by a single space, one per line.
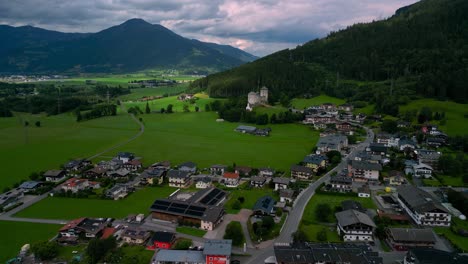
256 26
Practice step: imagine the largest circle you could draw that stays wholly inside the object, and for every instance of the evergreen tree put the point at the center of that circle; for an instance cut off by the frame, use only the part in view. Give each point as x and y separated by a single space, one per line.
147 110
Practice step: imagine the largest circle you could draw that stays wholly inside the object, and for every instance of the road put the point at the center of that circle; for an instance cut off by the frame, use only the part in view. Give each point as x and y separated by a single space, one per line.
295 215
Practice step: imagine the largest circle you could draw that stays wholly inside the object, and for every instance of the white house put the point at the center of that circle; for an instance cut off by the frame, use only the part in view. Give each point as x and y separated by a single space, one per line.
55 175
422 170
355 226
231 179
203 183
281 183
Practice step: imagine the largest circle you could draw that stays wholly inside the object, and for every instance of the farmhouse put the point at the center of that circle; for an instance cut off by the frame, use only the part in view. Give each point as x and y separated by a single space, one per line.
422 207
121 173
189 166
364 171
135 236
74 166
346 107
179 179
203 182
201 209
422 170
334 142
315 162
405 238
55 175
258 181
301 172
231 179
133 165
264 206
355 226
281 183
341 183
163 165
96 172
163 240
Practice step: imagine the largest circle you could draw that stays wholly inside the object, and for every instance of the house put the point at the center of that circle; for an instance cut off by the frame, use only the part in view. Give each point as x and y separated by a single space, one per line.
377 149
231 179
422 170
333 142
344 127
355 226
422 207
395 178
217 251
188 167
243 170
133 165
364 191
341 183
161 239
55 175
112 165
281 183
266 172
96 172
435 142
203 182
315 162
264 206
406 144
388 140
125 157
402 239
286 195
369 157
433 256
330 253
346 117
153 176
364 171
218 169
84 227
11 198
121 173
135 236
74 166
429 157
118 191
30 186
179 179
75 185
346 107
301 172
258 181
163 165
166 256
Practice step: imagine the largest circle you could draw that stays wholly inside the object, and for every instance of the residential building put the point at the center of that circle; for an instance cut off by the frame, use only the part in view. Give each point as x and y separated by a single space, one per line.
75 185
243 170
84 227
329 253
162 165
341 183
125 157
231 179
161 239
344 127
55 175
388 140
286 195
403 239
120 173
406 144
153 176
258 181
203 182
217 251
346 107
364 192
96 172
355 226
118 191
166 256
429 157
266 172
218 169
30 186
188 167
135 236
179 179
377 149
133 165
433 256
74 166
422 170
334 142
281 183
315 162
395 178
264 206
422 207
301 172
435 142
364 171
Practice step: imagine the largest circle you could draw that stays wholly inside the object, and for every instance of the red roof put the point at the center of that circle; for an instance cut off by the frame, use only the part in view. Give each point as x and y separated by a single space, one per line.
231 175
72 182
72 224
107 232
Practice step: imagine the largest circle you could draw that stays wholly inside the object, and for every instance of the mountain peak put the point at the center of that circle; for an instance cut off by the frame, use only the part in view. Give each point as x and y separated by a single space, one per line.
136 21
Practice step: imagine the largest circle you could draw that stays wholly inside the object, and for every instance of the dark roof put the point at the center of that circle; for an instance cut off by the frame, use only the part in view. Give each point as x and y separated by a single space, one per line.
178 174
136 233
264 204
258 179
351 217
187 209
365 165
153 173
54 173
412 235
219 166
327 253
341 179
30 185
352 205
419 200
125 155
208 196
281 180
364 189
218 247
179 256
378 147
162 236
314 159
286 193
246 128
434 256
301 169
188 164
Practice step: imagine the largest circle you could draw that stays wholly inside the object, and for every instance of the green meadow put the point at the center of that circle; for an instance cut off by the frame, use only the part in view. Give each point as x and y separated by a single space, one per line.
60 138
177 105
250 198
138 93
197 137
17 234
318 100
72 208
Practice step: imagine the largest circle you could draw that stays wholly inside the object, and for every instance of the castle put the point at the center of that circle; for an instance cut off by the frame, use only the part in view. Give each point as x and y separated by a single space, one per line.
254 98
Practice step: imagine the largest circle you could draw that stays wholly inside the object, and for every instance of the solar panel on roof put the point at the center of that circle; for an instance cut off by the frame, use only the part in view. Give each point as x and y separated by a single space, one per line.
197 208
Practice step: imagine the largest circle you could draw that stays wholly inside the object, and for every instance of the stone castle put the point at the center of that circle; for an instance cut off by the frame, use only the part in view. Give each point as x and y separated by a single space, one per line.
255 98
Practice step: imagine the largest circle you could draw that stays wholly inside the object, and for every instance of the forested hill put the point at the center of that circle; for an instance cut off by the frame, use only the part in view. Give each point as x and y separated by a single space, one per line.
131 46
423 48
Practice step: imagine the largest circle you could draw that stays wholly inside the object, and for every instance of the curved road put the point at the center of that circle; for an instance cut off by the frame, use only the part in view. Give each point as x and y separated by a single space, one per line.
295 215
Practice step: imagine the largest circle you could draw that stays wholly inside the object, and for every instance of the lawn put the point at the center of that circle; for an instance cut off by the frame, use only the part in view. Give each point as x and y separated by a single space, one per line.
71 208
251 196
66 252
452 181
318 100
270 110
16 234
138 93
457 240
191 231
136 254
197 137
59 139
312 230
456 124
177 105
431 182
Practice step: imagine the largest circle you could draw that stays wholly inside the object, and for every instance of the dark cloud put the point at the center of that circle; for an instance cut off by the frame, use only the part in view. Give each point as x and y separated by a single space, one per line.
258 26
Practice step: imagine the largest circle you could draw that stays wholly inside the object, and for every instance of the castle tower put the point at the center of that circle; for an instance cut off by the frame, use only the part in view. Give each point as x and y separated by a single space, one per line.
264 94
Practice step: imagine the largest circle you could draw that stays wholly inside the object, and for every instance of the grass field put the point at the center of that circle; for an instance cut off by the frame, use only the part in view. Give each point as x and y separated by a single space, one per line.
251 196
312 230
138 93
191 231
60 138
318 100
457 240
456 124
270 110
136 254
71 208
16 234
199 138
177 105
